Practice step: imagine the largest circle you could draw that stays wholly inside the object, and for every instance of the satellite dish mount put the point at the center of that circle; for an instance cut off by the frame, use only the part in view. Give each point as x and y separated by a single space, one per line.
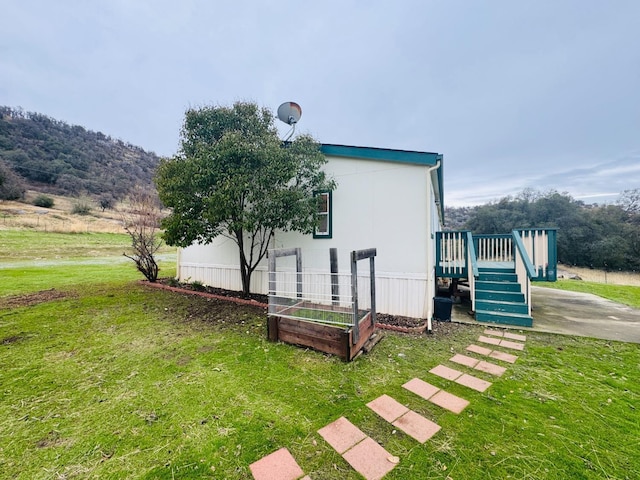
290 113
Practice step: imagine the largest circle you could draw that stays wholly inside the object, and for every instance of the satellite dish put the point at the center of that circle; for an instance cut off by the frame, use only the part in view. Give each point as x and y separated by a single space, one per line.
289 113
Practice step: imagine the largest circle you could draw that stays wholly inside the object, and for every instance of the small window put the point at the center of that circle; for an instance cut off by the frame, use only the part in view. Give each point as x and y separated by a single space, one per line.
323 229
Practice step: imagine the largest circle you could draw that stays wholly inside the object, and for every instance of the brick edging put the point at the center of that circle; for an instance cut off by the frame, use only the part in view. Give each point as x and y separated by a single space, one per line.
396 328
240 301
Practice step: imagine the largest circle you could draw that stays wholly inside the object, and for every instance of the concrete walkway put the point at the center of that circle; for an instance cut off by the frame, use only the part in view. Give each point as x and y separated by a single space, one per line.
573 313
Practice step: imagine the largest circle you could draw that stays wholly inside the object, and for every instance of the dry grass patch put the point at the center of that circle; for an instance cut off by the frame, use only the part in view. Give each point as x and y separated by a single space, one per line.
600 276
57 218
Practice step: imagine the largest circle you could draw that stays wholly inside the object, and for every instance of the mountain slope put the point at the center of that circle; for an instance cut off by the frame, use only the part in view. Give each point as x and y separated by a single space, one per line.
52 156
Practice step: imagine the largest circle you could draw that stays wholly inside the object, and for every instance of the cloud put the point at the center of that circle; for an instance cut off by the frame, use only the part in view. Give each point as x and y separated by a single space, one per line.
514 94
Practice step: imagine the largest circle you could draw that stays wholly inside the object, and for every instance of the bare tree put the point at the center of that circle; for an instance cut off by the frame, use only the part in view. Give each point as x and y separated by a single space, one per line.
142 221
629 201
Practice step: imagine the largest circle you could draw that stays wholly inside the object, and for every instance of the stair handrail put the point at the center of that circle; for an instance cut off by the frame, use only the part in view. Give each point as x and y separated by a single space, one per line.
524 267
472 268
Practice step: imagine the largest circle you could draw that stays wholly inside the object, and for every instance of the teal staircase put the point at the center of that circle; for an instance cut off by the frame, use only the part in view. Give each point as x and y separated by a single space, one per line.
488 265
499 297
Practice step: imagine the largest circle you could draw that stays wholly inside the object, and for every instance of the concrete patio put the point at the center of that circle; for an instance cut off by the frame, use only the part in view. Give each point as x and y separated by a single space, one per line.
573 313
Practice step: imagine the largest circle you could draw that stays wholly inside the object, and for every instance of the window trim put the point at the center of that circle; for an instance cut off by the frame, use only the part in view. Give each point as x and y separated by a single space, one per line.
329 214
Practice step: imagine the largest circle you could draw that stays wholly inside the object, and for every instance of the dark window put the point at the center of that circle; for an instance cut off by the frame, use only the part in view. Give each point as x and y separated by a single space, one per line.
323 229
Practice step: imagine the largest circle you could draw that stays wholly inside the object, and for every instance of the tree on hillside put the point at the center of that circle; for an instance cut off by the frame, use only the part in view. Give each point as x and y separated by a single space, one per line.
629 201
234 177
11 186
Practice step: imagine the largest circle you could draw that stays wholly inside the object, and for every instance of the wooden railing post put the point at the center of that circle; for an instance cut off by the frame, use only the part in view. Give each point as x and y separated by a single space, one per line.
354 296
356 255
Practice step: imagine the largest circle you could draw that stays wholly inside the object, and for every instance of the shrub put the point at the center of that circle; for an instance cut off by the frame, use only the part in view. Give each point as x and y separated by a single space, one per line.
82 206
198 286
43 201
106 203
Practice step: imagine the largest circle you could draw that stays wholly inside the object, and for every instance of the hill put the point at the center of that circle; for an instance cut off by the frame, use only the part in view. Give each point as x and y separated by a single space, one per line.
51 156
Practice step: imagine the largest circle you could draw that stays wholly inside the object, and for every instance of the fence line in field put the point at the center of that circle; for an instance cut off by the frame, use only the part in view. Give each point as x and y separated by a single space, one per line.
599 276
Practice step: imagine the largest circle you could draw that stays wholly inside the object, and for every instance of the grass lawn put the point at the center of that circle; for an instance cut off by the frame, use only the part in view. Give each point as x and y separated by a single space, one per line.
625 294
110 379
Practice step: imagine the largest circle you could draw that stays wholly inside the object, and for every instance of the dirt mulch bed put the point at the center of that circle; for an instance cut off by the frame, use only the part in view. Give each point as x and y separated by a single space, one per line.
384 321
29 299
415 325
240 298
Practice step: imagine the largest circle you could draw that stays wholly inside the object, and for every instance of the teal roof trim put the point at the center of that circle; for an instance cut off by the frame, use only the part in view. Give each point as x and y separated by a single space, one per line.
383 154
427 159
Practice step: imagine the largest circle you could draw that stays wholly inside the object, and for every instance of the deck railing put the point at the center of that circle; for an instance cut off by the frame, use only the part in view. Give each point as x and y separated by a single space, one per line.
540 245
532 252
524 268
493 248
453 252
472 270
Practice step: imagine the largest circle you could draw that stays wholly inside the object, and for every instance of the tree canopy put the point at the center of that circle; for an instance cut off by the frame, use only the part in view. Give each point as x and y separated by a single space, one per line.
233 176
601 236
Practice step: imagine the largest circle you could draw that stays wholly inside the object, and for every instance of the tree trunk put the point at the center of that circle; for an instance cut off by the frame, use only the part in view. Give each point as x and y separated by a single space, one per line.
246 276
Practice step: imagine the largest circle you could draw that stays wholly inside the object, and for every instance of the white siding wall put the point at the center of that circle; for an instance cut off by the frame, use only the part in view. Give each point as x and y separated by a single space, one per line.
383 205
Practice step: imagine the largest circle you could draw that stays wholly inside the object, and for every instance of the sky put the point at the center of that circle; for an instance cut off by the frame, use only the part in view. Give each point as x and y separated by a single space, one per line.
541 94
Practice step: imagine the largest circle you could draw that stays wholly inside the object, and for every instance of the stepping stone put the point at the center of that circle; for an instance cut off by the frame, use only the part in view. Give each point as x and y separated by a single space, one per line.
445 372
515 336
480 350
449 401
370 460
478 365
279 465
401 417
436 396
495 333
388 408
505 357
473 382
421 388
415 425
491 368
489 340
342 435
464 360
513 345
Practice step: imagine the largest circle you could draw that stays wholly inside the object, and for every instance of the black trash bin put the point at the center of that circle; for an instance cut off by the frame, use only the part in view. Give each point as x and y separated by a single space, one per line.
442 308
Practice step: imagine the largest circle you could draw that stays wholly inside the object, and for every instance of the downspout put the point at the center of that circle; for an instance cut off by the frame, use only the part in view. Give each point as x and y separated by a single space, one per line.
430 256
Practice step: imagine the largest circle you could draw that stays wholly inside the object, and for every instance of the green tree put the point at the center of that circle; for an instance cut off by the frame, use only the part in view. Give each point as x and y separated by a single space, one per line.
11 185
234 177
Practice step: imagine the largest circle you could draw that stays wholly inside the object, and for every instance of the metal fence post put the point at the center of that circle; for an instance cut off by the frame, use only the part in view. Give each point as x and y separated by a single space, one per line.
335 287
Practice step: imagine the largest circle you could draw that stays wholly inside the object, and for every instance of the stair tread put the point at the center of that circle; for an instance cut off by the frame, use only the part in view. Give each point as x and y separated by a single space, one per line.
513 290
504 314
498 281
501 302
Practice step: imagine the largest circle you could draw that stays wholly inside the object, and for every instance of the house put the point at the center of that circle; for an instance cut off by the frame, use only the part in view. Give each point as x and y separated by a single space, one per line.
390 200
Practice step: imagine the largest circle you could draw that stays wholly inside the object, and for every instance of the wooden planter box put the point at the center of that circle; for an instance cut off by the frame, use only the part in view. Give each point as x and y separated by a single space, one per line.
324 338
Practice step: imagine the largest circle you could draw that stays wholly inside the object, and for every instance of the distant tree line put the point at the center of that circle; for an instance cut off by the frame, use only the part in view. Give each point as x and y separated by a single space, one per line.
48 155
597 236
